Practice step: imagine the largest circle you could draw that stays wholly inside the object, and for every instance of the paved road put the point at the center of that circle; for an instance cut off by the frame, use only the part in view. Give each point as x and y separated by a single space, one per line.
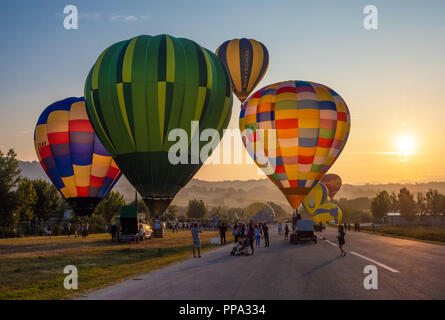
406 270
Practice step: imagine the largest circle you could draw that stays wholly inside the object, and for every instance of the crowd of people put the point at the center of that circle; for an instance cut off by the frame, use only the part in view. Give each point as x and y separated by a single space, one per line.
79 231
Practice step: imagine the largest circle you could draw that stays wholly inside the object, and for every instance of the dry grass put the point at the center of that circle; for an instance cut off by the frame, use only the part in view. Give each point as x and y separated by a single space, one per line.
434 234
32 267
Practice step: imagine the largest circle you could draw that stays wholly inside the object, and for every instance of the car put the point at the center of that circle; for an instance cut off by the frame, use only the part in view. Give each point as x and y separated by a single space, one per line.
147 232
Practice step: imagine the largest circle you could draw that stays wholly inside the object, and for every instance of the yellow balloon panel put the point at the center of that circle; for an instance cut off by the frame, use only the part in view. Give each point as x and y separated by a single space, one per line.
326 213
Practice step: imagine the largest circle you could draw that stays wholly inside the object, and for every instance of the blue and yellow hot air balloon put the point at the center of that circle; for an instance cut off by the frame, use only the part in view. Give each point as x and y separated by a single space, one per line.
72 155
315 198
247 61
326 213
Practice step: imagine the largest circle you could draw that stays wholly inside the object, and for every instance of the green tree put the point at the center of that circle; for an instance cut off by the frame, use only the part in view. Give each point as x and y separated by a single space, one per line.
381 205
407 204
394 206
49 202
27 198
421 204
110 206
196 209
434 202
9 178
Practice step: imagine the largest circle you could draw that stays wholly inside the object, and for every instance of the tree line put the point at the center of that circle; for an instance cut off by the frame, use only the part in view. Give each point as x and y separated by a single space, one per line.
27 206
407 204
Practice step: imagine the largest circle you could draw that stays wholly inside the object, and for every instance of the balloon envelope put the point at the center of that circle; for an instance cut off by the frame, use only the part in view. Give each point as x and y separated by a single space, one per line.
326 213
138 91
295 131
247 61
315 198
73 157
333 182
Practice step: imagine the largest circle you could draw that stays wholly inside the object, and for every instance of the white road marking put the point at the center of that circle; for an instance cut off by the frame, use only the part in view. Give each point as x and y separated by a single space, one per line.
361 256
375 262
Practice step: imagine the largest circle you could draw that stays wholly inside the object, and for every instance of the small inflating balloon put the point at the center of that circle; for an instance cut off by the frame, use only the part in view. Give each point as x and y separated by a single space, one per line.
333 182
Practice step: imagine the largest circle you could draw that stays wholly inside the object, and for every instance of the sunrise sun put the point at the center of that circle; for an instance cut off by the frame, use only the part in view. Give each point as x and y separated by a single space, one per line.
405 144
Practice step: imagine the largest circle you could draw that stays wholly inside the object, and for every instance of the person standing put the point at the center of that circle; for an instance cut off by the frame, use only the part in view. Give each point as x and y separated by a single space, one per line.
250 236
68 229
113 233
196 241
286 232
266 235
341 239
236 233
222 232
257 236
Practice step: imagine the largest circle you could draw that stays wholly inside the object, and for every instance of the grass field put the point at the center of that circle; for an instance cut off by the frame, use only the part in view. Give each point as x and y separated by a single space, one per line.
434 234
32 267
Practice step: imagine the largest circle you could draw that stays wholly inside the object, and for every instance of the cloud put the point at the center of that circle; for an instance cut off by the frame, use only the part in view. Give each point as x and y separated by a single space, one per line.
129 18
90 16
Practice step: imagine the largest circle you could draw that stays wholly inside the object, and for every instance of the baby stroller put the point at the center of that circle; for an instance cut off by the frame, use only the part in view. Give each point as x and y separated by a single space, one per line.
240 249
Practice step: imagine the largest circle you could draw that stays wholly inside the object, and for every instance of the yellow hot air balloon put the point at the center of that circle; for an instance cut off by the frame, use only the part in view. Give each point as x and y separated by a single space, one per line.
315 198
326 213
247 61
295 130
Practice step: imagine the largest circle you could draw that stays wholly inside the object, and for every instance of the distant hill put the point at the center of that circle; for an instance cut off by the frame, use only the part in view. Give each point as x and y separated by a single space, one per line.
243 193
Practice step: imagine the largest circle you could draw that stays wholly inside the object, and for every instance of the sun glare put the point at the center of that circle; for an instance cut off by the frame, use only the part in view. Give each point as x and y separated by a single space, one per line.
406 144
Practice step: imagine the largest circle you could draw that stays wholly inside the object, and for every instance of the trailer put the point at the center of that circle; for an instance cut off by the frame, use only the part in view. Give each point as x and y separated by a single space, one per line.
129 224
304 232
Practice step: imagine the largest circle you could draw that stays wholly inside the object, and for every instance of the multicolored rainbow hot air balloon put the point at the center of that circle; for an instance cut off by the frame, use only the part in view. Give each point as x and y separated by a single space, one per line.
73 157
315 198
295 130
333 182
138 91
247 61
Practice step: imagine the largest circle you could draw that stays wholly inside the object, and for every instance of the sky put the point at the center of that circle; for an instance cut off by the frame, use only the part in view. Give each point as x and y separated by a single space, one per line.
392 78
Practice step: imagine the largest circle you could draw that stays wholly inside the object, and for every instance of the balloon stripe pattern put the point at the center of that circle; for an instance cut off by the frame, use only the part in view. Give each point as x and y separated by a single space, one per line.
247 61
72 155
295 130
139 91
158 83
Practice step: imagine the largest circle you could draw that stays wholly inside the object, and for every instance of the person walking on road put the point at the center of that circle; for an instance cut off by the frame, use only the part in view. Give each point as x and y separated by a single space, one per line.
196 241
286 232
222 233
250 237
280 229
236 233
257 236
266 235
341 239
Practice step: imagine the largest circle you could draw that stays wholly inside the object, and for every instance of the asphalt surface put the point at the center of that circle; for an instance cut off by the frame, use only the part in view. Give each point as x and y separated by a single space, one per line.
406 270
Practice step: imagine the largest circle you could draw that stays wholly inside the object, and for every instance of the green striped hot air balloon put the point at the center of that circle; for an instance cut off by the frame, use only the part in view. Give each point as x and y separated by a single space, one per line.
142 88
